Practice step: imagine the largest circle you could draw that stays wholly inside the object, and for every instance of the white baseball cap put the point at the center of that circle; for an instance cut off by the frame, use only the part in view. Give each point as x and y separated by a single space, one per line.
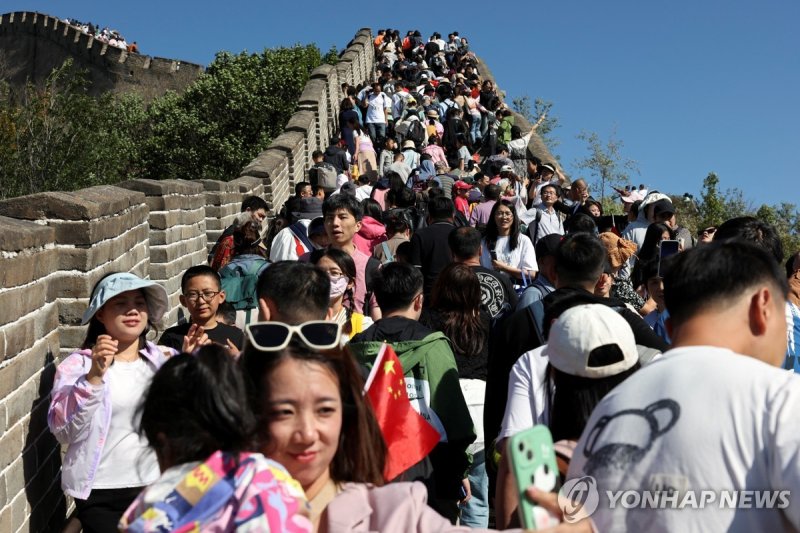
578 333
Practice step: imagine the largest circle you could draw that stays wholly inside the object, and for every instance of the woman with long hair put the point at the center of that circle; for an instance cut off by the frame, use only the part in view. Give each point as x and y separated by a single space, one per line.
197 420
656 232
341 270
313 419
505 248
348 113
365 152
456 311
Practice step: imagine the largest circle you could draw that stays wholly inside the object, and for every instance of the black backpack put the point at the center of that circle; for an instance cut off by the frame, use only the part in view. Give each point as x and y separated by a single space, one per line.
416 132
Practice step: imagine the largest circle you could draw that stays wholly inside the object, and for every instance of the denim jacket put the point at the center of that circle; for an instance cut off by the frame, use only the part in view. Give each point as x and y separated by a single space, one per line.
80 415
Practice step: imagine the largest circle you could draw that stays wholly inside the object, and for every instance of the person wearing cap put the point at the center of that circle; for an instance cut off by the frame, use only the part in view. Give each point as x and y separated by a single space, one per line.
716 412
462 189
410 154
618 252
434 150
590 350
96 392
293 241
664 211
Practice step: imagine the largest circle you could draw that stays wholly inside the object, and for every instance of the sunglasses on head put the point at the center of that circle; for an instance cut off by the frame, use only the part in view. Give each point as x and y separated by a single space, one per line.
275 336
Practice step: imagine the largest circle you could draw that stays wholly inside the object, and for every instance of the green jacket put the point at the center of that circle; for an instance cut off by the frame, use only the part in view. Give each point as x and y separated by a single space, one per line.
430 366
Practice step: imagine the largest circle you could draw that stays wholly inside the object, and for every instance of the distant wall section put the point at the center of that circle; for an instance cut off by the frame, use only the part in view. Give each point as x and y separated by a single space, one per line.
33 44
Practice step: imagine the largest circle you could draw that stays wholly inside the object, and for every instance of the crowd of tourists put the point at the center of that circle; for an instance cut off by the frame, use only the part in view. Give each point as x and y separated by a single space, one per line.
104 35
430 247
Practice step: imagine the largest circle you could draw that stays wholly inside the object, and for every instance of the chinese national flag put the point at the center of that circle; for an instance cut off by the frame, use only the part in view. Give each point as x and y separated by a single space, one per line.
409 437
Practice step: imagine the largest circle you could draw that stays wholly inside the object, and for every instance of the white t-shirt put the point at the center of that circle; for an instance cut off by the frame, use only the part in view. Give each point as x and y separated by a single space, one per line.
527 401
522 257
376 113
700 418
127 460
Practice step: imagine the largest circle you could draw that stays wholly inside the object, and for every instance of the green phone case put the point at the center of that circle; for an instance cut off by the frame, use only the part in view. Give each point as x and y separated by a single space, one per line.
533 462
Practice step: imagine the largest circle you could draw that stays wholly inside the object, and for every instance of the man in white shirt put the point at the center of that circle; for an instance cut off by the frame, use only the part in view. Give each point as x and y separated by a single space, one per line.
543 219
379 109
714 417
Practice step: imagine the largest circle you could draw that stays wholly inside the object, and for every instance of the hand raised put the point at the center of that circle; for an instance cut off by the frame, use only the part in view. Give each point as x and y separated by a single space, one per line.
103 353
195 338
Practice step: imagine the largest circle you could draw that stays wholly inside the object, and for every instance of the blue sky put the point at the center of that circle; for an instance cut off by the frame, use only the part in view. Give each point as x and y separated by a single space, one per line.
690 86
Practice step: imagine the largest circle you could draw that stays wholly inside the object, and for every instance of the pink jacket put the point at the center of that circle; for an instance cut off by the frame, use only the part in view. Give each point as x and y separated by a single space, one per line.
370 235
396 507
436 152
80 415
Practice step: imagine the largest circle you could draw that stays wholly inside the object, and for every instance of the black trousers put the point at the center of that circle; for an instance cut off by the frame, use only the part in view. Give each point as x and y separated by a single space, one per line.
100 513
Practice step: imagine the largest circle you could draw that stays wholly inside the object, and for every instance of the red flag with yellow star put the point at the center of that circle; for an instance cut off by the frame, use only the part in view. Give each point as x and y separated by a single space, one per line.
409 437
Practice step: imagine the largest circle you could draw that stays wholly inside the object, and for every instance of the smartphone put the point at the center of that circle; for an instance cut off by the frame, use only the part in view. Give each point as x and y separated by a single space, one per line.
666 250
533 461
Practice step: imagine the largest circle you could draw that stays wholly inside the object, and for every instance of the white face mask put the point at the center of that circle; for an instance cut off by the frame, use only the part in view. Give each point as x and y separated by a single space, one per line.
338 286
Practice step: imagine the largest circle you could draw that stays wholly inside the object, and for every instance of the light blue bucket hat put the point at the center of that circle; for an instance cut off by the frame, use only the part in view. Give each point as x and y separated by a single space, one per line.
156 295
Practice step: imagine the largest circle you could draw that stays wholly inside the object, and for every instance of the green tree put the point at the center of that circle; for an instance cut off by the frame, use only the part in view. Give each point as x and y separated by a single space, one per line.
227 116
57 137
540 116
606 162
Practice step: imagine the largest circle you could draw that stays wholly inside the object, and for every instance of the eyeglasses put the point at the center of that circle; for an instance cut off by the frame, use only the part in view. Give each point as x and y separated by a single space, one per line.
193 296
275 336
504 214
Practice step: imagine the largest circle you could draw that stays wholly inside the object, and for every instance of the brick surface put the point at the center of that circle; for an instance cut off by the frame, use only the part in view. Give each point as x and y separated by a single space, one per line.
26 267
16 235
24 365
20 301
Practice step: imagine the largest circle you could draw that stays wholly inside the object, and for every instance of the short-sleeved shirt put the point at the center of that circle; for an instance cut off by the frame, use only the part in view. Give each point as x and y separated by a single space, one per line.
376 108
522 257
173 337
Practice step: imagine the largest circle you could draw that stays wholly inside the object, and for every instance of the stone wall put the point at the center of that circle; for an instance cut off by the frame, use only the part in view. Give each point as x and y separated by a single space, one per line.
55 246
287 160
33 44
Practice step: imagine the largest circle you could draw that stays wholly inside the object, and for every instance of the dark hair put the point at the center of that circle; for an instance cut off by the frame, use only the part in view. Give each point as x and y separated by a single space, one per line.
342 201
299 291
254 203
227 312
456 295
317 153
580 259
199 270
575 398
196 405
346 105
790 264
752 230
464 242
361 452
246 238
396 285
300 186
580 223
635 207
492 232
441 208
715 274
96 328
556 189
403 198
491 192
372 208
397 221
649 250
348 267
